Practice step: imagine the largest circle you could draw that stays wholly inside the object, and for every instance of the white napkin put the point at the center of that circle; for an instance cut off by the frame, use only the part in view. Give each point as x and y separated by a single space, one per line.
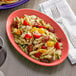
69 20
1 73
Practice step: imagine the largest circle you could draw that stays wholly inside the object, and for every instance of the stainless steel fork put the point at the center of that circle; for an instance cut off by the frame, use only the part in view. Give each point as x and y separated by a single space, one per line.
56 15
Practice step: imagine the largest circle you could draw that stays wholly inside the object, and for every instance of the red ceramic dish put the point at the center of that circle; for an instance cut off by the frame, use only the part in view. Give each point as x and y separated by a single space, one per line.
59 32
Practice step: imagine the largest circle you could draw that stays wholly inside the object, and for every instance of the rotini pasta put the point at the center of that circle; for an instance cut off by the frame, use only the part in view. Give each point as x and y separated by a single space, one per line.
7 1
36 38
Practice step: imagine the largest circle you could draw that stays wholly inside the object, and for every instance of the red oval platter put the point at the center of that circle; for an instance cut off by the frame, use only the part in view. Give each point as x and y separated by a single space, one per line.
59 32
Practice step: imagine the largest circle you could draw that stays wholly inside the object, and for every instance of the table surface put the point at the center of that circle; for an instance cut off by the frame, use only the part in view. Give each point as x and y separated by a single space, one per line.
16 65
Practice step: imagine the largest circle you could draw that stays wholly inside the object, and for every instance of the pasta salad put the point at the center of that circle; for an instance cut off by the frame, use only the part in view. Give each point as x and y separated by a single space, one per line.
36 38
7 1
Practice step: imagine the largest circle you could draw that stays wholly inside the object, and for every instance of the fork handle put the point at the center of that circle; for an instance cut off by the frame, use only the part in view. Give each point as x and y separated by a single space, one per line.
65 25
71 35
